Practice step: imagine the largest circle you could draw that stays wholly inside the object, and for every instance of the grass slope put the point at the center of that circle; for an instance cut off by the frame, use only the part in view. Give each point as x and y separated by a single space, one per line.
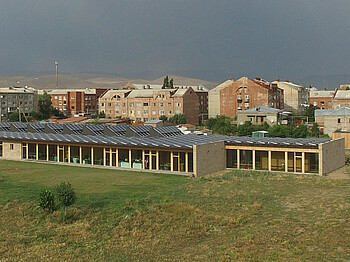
126 216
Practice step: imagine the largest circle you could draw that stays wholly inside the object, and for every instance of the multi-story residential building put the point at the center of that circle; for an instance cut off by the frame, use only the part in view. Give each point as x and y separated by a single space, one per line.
148 104
200 90
247 93
17 99
296 97
341 98
214 98
76 101
322 99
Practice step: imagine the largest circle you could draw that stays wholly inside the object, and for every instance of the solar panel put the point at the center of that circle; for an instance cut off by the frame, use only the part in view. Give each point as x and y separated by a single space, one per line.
5 126
75 129
116 130
36 127
56 128
168 131
142 131
21 127
96 129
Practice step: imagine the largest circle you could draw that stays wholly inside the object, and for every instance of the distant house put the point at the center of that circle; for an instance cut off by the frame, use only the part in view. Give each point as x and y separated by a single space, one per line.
332 120
154 123
261 114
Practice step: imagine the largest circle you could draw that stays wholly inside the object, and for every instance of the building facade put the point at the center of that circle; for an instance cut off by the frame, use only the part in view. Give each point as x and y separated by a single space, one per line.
191 155
331 120
148 104
261 114
214 98
17 99
296 97
76 101
247 93
322 99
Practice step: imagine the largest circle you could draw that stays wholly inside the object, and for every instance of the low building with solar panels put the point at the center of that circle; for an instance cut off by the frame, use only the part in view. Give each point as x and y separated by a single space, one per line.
166 149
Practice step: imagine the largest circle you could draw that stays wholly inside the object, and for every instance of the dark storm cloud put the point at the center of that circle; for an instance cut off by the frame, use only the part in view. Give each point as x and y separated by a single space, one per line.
200 38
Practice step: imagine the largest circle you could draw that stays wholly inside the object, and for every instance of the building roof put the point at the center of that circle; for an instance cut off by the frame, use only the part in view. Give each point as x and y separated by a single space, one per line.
110 93
173 142
223 85
322 112
322 93
260 109
284 84
196 88
87 91
342 94
16 90
154 121
343 111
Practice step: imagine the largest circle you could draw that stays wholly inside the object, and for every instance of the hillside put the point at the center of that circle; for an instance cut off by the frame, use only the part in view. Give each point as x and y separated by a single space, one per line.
90 81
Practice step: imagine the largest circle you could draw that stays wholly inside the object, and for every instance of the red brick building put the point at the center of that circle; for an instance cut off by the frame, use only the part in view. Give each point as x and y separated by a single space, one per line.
322 99
247 93
76 101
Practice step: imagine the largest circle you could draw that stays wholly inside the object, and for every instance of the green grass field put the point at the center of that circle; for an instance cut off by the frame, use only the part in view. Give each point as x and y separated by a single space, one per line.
132 216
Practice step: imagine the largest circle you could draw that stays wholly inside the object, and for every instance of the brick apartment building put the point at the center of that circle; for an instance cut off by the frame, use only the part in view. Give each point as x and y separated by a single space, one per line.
243 94
200 90
322 99
76 101
17 99
147 104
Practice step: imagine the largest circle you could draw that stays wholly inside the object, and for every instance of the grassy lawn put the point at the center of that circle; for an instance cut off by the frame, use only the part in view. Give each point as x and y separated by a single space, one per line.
134 216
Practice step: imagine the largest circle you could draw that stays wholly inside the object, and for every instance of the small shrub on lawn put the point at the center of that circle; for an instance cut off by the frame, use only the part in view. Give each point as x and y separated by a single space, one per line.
47 201
65 194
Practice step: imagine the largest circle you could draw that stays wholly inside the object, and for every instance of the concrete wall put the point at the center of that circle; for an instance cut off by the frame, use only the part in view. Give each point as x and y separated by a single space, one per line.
337 135
331 124
332 156
209 158
12 154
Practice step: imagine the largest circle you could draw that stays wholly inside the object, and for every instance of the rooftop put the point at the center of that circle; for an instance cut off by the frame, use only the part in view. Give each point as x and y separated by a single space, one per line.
260 109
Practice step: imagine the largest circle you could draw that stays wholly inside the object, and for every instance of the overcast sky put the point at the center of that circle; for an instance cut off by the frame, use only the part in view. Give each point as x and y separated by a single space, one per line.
206 39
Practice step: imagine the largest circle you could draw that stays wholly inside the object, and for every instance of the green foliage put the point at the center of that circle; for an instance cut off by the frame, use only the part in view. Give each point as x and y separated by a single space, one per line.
65 194
288 131
167 83
56 112
310 113
47 201
178 119
45 105
163 118
265 126
246 129
299 131
315 130
221 125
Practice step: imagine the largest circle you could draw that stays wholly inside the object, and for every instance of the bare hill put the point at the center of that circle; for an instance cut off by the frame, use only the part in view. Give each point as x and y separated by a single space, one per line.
80 81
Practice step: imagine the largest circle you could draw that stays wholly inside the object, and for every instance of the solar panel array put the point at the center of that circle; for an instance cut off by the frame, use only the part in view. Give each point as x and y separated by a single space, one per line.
96 129
21 127
168 131
142 131
5 126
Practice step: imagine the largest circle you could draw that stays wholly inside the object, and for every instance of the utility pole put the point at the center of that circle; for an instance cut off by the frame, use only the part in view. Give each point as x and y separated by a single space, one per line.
1 97
56 64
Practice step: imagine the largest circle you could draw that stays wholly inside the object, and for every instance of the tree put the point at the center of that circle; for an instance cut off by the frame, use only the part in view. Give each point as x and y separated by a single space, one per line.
167 83
65 194
279 131
178 119
45 105
315 130
246 129
163 118
299 131
310 113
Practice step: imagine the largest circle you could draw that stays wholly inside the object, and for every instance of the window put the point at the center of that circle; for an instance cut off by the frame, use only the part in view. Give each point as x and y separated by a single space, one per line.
169 112
246 104
322 103
315 103
60 97
154 104
177 112
123 104
123 112
169 104
138 112
178 104
145 112
161 112
339 121
153 112
72 97
117 112
161 104
246 96
131 104
116 104
11 146
109 104
103 104
138 104
145 104
55 97
131 112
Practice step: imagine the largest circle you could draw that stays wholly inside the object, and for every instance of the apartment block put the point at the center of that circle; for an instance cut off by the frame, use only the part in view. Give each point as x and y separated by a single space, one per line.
147 104
17 99
296 97
322 99
76 101
331 120
246 93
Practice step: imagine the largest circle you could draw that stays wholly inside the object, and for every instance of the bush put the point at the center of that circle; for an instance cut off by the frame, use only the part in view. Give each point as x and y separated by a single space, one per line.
65 194
47 201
